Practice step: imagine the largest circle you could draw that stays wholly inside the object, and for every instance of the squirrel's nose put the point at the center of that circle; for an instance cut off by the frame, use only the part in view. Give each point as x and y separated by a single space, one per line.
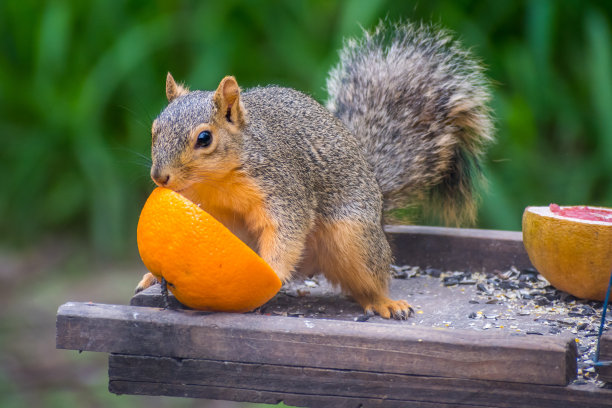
160 178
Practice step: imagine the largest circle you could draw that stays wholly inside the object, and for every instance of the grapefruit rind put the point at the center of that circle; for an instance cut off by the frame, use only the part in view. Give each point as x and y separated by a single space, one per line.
176 238
574 255
545 211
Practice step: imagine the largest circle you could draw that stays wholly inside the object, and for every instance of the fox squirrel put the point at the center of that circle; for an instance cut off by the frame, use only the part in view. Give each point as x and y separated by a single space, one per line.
306 186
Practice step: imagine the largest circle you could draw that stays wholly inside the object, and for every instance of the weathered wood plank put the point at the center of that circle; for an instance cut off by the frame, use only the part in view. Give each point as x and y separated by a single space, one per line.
296 385
263 397
151 297
605 354
315 343
457 248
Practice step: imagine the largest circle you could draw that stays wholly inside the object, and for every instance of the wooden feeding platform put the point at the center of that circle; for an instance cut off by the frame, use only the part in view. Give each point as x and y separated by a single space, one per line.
310 346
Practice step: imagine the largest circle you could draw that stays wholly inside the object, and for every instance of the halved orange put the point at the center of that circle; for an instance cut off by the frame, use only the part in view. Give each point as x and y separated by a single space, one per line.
206 266
574 254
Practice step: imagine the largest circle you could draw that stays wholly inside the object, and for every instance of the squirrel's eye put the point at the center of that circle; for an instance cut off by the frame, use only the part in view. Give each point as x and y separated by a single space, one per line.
204 139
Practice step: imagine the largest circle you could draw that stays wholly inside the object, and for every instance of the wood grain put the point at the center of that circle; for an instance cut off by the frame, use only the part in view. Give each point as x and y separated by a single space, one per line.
605 355
457 248
327 363
318 343
320 387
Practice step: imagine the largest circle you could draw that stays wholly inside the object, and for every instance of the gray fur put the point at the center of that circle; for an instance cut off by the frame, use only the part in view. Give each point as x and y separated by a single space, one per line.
172 127
303 144
417 102
407 120
311 166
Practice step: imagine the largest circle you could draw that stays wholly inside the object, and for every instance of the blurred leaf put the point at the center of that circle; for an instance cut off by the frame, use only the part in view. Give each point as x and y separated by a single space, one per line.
80 83
600 69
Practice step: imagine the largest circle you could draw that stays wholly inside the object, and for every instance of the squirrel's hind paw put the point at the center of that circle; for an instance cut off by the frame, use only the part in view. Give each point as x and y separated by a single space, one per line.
387 308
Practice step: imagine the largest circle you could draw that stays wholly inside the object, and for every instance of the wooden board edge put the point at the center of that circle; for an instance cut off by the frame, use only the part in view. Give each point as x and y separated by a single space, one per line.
458 248
477 233
353 386
261 397
316 342
605 356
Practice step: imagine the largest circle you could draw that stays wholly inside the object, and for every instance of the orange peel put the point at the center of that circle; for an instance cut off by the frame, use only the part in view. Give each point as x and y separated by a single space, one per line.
206 266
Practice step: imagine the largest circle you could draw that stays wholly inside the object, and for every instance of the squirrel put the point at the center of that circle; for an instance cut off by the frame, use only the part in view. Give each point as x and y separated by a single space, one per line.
306 185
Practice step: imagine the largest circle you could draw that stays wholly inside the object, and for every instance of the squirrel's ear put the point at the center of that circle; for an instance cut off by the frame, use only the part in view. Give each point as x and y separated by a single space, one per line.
227 99
174 90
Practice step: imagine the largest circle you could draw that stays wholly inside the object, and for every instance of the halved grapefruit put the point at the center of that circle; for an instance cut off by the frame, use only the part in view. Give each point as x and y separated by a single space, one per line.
571 247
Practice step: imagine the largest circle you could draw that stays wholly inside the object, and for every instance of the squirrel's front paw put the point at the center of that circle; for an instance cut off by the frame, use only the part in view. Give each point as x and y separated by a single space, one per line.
147 280
387 308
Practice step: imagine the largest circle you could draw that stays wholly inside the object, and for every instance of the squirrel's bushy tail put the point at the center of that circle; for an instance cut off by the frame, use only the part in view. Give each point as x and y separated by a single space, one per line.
418 104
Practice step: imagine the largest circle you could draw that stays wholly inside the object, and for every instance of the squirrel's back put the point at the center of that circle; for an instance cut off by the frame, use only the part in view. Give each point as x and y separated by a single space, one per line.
311 149
417 102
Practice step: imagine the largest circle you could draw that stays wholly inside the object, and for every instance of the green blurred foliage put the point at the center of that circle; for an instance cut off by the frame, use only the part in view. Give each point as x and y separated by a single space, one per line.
81 81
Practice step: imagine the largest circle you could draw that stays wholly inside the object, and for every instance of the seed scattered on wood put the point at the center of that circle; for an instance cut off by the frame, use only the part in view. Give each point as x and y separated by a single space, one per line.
450 281
482 287
310 283
433 272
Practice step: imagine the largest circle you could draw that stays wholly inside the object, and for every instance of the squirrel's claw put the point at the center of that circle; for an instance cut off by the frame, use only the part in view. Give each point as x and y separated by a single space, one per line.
387 308
404 314
147 281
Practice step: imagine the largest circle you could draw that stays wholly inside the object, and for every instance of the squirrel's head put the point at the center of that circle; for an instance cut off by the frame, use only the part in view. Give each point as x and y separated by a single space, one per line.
197 137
